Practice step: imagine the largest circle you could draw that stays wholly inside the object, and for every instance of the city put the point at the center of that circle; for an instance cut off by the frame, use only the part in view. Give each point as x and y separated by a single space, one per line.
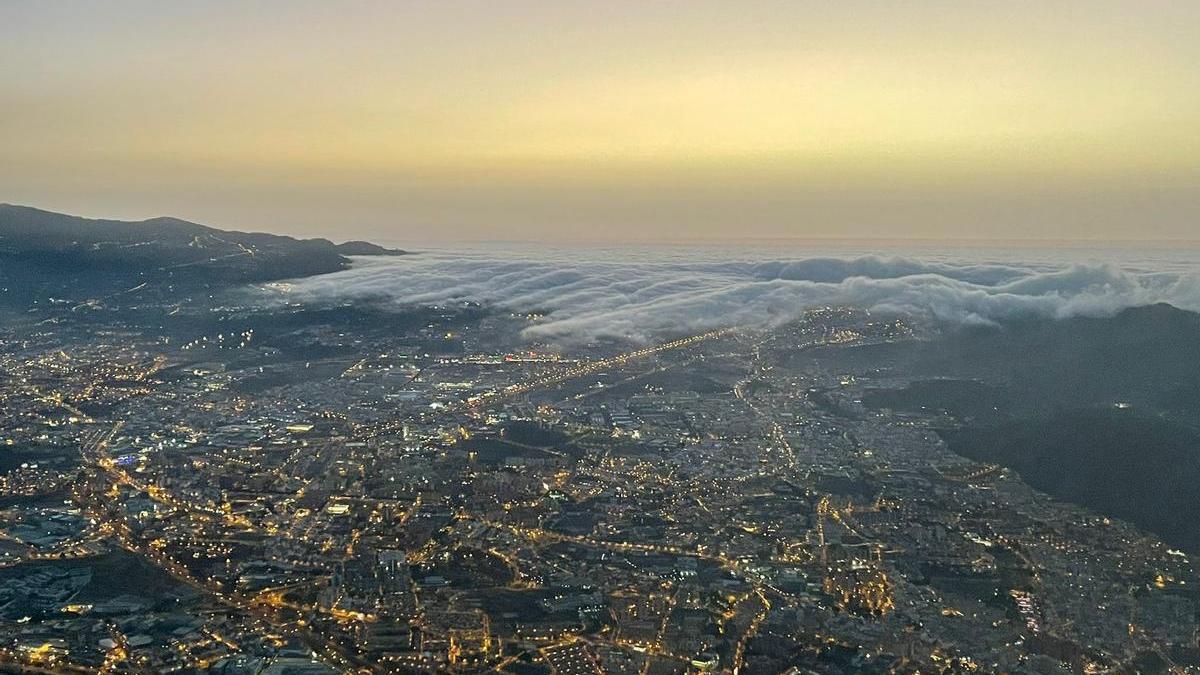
291 496
599 337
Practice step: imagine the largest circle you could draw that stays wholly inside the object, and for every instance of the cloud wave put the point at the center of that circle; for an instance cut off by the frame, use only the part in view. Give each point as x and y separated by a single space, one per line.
607 294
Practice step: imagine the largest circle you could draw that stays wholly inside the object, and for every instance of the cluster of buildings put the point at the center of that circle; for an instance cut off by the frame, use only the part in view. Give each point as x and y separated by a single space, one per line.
437 497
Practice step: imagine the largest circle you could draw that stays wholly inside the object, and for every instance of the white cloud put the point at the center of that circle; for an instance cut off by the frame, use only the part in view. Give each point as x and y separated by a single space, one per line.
600 294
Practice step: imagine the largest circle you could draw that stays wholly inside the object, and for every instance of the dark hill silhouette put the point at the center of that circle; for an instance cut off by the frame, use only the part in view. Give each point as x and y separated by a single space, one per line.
1101 411
1146 356
1121 463
42 251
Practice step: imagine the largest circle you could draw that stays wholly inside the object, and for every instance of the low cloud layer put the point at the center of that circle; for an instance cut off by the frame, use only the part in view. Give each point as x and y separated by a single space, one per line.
601 294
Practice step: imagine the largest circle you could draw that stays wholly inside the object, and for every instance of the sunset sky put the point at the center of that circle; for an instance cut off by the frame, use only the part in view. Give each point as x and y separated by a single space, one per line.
610 120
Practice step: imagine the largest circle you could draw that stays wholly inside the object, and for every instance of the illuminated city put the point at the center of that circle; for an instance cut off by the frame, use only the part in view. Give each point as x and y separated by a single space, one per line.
599 337
298 489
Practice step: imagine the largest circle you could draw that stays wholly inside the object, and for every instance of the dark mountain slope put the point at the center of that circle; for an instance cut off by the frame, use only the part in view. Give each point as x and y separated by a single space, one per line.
161 244
1146 356
51 253
1101 411
1140 468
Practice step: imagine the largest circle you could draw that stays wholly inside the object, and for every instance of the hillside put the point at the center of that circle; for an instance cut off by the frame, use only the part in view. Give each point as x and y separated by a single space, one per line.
1148 357
46 252
1100 411
1138 467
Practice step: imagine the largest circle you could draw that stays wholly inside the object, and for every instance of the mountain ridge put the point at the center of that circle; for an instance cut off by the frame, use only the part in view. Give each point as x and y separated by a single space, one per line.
17 217
45 245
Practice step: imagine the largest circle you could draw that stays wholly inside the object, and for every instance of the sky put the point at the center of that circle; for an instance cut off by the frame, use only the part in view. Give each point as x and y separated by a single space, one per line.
611 121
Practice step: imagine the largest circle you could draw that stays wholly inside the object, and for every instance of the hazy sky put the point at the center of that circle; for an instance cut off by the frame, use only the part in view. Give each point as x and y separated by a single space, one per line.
608 119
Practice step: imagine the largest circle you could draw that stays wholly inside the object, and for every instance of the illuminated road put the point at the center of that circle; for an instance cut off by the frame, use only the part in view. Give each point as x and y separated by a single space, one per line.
268 612
482 402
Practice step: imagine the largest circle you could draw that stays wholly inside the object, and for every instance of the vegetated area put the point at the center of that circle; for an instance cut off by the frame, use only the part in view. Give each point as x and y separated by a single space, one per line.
1121 463
1103 412
1147 357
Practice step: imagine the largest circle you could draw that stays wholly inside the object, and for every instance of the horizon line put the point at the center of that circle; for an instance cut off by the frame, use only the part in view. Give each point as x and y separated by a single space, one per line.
388 239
